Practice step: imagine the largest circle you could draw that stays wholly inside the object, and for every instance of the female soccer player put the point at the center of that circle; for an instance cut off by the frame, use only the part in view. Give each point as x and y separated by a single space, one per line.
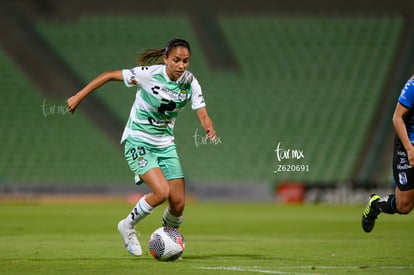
402 202
164 88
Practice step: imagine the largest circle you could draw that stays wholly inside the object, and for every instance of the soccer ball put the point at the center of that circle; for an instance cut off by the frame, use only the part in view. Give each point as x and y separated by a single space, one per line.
166 244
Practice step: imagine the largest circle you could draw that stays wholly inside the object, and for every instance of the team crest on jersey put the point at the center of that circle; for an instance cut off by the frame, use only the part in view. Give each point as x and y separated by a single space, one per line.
183 94
142 162
403 178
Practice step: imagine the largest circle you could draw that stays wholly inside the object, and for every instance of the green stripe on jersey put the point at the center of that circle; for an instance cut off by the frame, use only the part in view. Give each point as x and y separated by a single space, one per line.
150 99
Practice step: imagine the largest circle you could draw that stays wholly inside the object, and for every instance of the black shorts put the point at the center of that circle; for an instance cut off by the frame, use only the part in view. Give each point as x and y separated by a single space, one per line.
403 172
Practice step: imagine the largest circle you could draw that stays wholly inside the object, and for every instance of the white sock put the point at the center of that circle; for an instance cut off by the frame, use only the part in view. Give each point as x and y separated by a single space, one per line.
139 212
169 220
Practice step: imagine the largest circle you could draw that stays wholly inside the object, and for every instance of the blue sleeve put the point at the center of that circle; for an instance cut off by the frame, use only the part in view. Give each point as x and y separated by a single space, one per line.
407 94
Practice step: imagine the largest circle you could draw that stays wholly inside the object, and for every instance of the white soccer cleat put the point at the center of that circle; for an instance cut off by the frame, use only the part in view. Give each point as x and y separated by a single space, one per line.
130 239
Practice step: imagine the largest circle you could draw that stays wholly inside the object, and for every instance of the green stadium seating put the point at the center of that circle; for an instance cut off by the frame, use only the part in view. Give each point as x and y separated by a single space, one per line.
42 145
312 83
326 74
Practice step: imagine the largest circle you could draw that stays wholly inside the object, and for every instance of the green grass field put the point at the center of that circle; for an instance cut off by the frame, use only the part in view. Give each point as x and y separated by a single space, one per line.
81 238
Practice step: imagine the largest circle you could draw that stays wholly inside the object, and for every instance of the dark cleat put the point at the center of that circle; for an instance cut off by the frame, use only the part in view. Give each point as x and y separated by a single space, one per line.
370 214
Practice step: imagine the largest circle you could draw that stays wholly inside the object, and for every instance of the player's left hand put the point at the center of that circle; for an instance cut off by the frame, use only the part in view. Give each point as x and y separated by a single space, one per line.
410 156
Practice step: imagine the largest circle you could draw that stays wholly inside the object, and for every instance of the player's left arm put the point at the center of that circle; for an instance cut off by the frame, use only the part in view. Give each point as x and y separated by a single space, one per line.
401 129
206 123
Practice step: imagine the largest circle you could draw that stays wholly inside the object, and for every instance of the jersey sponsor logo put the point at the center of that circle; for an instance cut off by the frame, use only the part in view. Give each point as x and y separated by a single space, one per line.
168 105
403 166
401 153
159 123
155 90
133 80
402 162
182 95
201 98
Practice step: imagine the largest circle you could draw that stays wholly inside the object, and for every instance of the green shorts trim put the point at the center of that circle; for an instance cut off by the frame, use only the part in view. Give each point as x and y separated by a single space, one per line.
142 157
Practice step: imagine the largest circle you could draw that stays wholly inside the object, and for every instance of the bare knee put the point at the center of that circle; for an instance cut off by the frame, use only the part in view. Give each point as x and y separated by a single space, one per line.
404 208
158 196
404 200
162 194
159 186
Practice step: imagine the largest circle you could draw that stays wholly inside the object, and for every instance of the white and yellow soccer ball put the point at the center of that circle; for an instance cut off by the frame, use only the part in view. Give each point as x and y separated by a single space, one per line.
166 244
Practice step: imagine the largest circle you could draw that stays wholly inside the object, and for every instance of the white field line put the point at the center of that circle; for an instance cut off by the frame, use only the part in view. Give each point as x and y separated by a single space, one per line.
243 269
259 270
350 267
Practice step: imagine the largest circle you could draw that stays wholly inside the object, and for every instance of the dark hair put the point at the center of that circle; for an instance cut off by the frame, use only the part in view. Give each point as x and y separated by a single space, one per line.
153 56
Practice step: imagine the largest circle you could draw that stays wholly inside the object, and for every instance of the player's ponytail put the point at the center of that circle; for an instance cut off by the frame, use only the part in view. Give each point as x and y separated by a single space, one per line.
153 56
150 57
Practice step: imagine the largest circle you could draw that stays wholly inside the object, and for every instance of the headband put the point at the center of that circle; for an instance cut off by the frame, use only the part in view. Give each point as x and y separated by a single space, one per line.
175 43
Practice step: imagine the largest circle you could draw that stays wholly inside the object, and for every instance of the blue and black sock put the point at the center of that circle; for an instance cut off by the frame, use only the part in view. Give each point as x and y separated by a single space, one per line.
386 204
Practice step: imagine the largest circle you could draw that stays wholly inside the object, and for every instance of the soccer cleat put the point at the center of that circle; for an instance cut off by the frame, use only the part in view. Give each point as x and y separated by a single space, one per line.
370 214
130 239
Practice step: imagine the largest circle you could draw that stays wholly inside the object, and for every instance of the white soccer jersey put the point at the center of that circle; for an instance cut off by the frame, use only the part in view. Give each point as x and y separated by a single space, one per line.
158 102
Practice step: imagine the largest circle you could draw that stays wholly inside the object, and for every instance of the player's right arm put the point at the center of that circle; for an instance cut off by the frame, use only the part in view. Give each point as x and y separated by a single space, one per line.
74 101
